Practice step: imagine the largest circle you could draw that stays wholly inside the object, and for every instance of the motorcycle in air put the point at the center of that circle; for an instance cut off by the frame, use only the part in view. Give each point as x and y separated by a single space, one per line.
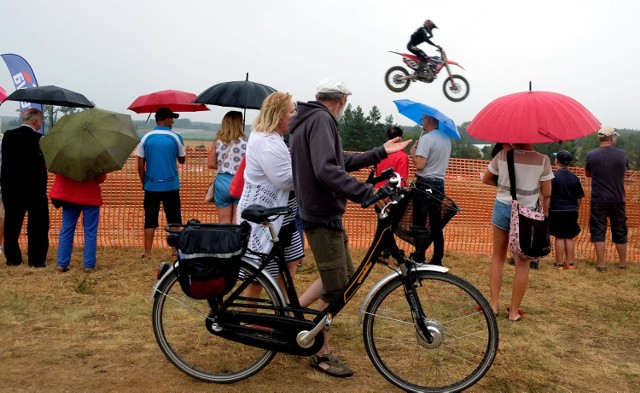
397 79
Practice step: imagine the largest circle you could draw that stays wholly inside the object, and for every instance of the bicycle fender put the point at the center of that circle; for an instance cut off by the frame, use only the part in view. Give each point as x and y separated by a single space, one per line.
154 291
388 278
455 64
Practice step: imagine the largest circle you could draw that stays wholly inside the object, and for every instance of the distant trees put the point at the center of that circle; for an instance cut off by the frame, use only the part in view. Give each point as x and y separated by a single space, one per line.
360 132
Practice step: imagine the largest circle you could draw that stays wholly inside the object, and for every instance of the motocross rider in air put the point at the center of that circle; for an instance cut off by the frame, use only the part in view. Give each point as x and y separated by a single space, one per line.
422 34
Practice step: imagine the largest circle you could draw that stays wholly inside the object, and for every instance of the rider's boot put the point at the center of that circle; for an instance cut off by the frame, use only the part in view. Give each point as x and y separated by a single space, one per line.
421 67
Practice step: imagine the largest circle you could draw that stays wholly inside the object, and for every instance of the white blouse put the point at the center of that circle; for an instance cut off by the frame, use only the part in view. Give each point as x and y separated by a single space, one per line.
268 179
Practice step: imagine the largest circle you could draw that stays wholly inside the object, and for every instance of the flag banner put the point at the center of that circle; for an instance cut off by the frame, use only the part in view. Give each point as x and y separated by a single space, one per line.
22 76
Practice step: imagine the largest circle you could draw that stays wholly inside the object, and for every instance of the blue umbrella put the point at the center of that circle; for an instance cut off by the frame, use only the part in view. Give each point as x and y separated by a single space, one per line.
415 110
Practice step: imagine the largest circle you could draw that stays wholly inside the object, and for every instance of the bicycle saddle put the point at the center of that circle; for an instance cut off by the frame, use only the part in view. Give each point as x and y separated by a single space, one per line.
260 214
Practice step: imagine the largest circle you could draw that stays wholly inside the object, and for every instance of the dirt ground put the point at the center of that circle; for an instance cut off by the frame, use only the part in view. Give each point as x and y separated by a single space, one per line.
78 332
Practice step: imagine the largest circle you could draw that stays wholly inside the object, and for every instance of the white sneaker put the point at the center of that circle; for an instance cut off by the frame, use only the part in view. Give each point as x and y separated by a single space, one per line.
0 250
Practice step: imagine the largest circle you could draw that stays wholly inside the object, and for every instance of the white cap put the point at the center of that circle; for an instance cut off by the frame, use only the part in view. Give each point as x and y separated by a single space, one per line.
332 85
607 131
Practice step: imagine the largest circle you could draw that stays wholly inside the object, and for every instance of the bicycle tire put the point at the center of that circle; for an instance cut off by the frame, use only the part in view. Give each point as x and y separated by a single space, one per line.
179 328
461 354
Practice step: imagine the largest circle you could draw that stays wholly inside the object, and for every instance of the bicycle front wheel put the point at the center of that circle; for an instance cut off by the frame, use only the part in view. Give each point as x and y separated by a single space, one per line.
180 330
463 327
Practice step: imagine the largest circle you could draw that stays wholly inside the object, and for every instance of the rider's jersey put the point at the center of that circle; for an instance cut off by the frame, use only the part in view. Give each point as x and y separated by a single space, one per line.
421 35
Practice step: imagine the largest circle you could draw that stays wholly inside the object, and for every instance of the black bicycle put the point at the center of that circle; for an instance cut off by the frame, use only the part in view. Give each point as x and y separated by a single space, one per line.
424 329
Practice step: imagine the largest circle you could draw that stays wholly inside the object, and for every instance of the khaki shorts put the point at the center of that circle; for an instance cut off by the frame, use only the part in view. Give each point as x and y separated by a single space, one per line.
331 251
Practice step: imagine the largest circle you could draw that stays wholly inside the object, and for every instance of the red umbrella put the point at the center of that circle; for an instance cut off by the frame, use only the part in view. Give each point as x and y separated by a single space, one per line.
176 100
3 94
533 117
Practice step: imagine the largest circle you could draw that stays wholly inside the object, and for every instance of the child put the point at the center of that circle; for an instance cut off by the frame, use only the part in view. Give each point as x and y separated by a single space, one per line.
566 193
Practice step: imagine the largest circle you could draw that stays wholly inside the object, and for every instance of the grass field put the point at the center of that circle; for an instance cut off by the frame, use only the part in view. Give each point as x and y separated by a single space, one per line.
77 332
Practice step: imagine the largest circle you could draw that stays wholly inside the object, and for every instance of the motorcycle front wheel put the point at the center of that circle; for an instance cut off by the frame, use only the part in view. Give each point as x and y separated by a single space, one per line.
391 79
456 88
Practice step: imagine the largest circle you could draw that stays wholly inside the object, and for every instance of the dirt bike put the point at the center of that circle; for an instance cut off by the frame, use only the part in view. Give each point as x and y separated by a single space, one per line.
397 79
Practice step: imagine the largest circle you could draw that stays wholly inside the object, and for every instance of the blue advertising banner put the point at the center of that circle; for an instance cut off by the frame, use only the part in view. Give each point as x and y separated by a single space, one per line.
22 76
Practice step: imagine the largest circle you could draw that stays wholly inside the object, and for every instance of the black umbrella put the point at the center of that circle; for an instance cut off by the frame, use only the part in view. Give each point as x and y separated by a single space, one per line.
51 95
238 94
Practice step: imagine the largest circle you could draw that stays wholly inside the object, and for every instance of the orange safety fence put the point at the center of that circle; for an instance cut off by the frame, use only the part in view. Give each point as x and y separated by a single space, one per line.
122 215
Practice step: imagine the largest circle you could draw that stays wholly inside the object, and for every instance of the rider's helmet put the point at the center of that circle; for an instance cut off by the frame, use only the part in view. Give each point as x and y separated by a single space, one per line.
428 24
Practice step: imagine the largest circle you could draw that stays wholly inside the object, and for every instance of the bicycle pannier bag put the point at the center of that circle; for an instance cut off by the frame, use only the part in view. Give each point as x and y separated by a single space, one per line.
209 258
529 229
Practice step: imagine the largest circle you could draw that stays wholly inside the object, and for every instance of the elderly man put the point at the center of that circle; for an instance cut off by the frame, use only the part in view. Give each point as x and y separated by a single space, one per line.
430 155
24 190
606 166
322 184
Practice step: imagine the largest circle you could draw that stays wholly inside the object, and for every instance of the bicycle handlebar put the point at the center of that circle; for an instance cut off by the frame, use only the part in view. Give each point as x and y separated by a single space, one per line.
387 190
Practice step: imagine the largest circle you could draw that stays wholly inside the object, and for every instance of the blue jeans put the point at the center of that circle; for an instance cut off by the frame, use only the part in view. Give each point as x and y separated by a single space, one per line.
70 215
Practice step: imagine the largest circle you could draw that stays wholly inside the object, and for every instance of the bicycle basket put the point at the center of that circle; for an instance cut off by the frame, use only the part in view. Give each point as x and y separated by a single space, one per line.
209 258
402 223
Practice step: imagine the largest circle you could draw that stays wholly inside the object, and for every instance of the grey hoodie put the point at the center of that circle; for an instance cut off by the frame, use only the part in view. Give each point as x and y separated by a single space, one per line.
320 166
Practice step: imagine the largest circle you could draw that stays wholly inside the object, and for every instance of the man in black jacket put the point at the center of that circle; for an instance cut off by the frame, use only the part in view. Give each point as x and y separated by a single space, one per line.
24 190
422 34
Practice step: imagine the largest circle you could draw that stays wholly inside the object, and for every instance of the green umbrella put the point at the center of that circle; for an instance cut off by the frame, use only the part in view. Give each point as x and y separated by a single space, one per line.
86 144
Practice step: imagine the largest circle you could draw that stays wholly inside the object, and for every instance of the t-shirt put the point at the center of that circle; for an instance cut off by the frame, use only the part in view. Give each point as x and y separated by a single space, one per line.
160 148
531 168
435 146
607 165
399 161
565 191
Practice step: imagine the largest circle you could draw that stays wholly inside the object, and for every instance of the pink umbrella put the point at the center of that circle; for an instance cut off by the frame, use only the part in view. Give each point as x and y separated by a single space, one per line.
533 117
176 100
3 94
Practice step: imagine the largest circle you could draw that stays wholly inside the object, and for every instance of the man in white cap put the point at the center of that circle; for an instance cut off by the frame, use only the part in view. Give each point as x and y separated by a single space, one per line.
322 184
606 166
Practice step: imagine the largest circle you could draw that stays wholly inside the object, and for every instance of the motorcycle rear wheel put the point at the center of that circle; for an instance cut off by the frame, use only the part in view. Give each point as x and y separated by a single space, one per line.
392 82
456 88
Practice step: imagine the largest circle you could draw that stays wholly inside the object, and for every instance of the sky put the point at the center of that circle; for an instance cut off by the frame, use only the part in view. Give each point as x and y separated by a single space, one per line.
114 51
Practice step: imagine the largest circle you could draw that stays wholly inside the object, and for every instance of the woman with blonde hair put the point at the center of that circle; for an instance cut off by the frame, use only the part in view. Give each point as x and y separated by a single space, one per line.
268 179
227 150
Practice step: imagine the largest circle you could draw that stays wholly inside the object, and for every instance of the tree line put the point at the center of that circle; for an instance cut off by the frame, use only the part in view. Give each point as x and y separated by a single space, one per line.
360 132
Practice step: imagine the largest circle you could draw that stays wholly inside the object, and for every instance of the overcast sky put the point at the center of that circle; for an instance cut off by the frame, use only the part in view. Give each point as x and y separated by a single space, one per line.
113 51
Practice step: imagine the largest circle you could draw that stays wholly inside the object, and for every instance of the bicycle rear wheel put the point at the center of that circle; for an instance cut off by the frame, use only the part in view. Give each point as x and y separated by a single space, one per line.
179 328
463 325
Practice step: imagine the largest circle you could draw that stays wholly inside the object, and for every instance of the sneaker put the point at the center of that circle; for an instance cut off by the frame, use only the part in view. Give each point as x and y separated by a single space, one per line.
62 269
90 270
0 250
534 264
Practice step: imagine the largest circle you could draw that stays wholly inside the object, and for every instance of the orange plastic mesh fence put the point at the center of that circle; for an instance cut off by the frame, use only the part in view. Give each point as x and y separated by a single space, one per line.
122 215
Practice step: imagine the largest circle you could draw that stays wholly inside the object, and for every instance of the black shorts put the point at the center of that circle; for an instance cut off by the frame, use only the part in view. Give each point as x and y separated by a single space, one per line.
564 224
617 218
170 203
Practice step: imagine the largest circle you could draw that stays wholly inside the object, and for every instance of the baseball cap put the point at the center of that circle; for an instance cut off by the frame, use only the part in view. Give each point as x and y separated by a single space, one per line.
332 85
165 113
607 131
564 157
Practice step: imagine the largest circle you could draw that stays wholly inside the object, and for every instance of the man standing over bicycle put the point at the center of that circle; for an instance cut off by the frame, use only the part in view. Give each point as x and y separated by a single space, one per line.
430 156
323 185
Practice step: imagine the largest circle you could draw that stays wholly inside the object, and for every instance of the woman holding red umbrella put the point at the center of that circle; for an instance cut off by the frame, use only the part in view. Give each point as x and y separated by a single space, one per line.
533 174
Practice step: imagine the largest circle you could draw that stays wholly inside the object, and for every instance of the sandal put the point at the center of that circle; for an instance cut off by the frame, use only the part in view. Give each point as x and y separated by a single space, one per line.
622 266
520 315
569 266
601 269
559 266
335 367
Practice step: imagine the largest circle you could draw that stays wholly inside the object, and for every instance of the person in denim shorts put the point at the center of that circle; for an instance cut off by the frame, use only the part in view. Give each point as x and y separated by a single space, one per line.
607 166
